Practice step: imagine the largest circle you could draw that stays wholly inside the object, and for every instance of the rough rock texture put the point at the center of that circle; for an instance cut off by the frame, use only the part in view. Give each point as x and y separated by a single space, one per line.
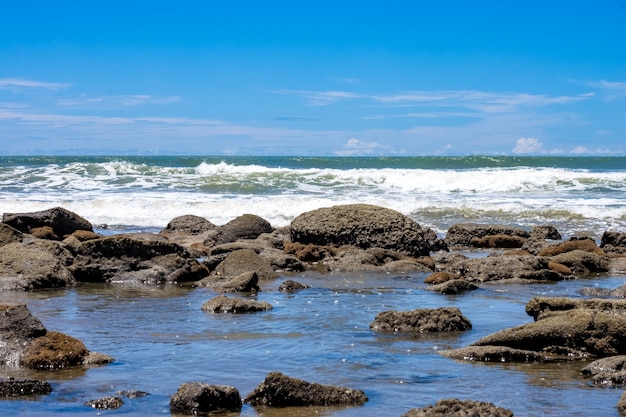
583 262
548 232
363 226
613 242
609 371
244 282
245 260
582 244
246 226
198 398
440 277
63 222
278 390
190 224
9 235
462 234
580 331
453 287
223 304
54 350
498 241
621 405
421 320
129 258
453 407
11 388
539 307
106 403
18 328
29 266
619 292
292 286
496 354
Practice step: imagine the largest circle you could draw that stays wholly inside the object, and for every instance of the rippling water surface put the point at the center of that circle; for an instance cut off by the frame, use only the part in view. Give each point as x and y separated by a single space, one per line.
161 338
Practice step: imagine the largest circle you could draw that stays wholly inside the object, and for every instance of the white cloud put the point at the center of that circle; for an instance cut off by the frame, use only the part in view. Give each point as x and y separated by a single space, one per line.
17 83
527 145
125 100
356 147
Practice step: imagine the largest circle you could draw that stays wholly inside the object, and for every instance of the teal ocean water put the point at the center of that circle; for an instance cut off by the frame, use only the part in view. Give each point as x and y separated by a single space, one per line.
579 195
161 338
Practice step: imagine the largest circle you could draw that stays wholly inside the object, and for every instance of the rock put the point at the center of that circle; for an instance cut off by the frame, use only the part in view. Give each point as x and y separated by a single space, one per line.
97 359
44 232
131 258
459 408
619 292
498 241
583 262
495 354
31 266
106 403
18 328
188 224
621 405
539 307
581 244
363 226
609 371
309 252
461 234
54 350
9 235
12 388
580 331
545 232
617 265
63 222
453 287
133 393
440 277
85 235
247 226
421 320
291 286
223 304
244 282
245 260
198 398
278 390
613 242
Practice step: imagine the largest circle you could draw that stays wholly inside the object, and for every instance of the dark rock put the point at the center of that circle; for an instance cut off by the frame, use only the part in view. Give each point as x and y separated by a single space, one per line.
421 320
453 287
291 286
31 266
539 307
453 407
246 226
363 226
245 260
613 242
12 388
189 224
545 232
197 398
18 328
223 304
9 235
495 354
533 246
580 331
583 262
106 403
461 234
131 258
54 350
244 282
309 252
63 222
278 390
133 393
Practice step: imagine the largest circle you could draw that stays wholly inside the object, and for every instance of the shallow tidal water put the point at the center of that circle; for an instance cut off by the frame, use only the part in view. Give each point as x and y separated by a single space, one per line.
161 338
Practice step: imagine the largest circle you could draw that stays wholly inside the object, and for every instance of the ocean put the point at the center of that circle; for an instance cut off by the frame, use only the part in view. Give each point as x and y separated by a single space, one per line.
578 195
161 338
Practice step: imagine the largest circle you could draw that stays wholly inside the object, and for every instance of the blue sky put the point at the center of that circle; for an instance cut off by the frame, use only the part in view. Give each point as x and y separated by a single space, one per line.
313 77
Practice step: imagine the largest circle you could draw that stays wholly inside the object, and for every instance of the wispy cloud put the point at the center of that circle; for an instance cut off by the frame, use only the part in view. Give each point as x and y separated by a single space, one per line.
356 147
116 101
16 84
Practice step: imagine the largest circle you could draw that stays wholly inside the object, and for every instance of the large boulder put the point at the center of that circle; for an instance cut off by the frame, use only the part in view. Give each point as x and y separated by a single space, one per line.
129 258
278 390
198 398
34 265
470 234
245 260
613 242
361 225
246 226
189 224
583 262
582 244
18 328
421 320
452 407
62 222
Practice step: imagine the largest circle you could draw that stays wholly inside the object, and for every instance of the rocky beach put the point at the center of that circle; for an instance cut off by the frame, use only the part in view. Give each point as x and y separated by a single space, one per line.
247 268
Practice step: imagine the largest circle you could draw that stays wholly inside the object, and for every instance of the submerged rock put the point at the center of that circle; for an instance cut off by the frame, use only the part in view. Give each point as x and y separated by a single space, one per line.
278 390
291 286
539 307
495 354
609 371
223 304
106 403
453 407
14 388
198 398
421 320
